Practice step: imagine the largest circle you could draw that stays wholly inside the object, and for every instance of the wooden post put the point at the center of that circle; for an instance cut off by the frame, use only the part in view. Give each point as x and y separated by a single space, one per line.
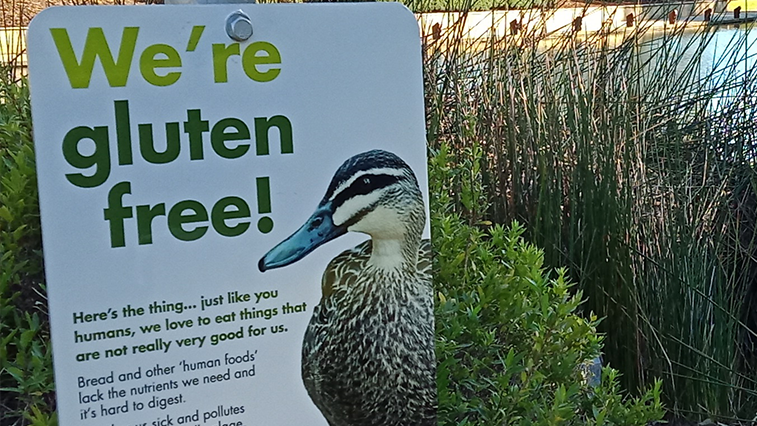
578 23
672 16
514 27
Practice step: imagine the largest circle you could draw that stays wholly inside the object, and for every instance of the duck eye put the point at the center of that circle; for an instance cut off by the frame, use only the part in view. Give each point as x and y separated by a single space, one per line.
316 222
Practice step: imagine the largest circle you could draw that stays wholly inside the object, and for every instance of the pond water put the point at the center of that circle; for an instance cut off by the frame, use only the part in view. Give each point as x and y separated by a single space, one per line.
721 51
725 58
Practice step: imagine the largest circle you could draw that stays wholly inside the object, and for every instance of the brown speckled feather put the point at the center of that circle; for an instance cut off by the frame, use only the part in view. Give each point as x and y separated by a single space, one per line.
368 352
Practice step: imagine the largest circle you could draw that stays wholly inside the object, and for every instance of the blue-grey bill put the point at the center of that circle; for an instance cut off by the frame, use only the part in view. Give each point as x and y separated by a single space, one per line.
318 229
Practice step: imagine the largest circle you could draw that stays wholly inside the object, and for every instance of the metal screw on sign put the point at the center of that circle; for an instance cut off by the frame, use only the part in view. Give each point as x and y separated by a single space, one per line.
239 26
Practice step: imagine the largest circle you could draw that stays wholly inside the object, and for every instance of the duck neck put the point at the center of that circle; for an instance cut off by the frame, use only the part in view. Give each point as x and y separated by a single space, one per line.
394 254
397 250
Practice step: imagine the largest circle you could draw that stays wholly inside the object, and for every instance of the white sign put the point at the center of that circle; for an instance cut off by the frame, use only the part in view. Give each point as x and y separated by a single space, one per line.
172 159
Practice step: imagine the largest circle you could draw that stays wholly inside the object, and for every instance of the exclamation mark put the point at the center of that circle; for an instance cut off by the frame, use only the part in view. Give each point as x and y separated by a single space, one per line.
265 223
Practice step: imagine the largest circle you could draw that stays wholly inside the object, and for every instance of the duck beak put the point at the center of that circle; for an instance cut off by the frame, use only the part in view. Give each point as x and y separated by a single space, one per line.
317 230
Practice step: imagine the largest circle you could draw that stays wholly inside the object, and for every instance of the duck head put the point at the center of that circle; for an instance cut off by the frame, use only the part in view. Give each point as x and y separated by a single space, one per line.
375 193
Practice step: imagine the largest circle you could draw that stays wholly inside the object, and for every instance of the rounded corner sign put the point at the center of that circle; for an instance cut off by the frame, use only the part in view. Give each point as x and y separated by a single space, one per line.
234 214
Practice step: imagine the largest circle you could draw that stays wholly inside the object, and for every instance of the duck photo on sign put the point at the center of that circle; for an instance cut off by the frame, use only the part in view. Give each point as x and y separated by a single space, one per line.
368 350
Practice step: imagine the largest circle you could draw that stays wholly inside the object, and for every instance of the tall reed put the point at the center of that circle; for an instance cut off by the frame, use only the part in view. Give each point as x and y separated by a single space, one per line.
629 155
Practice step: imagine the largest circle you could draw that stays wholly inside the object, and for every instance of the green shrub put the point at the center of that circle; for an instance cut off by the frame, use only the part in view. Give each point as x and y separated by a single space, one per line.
510 344
26 375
